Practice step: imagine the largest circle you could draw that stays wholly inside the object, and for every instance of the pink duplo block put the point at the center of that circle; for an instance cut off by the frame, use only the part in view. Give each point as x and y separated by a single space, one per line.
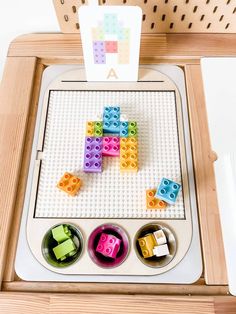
111 146
108 245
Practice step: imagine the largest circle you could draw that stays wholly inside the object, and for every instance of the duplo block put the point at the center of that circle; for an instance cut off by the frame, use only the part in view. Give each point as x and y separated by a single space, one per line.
124 129
90 128
152 202
168 191
147 245
111 120
111 46
69 184
108 245
128 154
161 250
99 52
132 129
111 146
93 154
61 233
160 237
98 129
64 250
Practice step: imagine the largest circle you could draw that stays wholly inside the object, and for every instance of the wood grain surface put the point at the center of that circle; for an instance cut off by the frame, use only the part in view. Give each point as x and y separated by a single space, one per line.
168 46
9 273
22 303
212 242
15 96
197 289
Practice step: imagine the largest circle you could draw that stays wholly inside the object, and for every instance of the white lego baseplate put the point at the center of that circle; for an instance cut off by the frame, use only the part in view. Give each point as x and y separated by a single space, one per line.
111 194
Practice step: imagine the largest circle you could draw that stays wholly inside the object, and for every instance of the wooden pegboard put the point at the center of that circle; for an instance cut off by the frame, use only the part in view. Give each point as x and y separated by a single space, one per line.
163 16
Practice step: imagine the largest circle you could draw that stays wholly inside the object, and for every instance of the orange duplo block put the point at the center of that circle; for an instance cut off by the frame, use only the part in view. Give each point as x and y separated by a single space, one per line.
69 184
152 202
90 128
147 244
128 154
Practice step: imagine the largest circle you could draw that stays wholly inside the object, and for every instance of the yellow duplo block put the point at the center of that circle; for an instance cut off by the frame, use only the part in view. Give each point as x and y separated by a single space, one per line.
128 154
152 202
90 128
147 245
69 184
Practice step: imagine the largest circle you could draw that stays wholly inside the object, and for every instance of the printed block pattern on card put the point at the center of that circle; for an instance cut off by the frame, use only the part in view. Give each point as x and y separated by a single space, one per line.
99 52
111 46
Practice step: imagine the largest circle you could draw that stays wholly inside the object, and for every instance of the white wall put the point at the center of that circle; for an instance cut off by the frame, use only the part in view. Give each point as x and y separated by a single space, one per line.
19 17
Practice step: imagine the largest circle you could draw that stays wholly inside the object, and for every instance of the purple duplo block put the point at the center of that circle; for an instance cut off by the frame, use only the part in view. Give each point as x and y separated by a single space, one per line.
93 154
99 52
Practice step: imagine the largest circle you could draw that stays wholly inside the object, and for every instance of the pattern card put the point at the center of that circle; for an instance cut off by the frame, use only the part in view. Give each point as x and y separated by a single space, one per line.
111 41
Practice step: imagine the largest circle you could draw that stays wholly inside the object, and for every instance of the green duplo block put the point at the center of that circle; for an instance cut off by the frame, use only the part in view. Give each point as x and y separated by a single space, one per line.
132 129
63 249
61 233
98 129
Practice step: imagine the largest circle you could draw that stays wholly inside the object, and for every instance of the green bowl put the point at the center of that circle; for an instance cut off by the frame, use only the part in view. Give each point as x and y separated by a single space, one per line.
49 243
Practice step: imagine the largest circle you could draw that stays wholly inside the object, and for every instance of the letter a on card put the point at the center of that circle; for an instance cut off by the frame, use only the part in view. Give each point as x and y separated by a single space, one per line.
111 42
112 74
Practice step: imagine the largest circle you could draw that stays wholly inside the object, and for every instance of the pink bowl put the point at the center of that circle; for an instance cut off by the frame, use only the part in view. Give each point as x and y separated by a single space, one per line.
98 258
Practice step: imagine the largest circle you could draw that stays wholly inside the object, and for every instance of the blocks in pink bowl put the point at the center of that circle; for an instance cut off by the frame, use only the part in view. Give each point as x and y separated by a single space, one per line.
108 245
111 146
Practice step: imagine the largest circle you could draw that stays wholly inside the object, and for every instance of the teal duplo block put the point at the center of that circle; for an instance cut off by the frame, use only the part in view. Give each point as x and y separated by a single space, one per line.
124 129
111 120
123 34
168 191
111 24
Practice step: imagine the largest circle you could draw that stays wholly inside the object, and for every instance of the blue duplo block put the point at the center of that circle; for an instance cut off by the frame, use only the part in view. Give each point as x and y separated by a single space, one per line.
111 120
124 129
168 191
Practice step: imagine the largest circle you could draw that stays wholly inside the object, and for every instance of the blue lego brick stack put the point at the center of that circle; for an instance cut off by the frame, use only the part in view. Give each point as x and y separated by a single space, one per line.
124 129
111 120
